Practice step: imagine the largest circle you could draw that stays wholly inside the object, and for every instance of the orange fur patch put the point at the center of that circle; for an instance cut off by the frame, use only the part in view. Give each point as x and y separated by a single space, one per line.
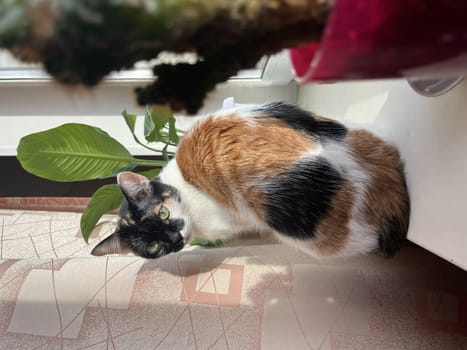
231 156
157 209
332 232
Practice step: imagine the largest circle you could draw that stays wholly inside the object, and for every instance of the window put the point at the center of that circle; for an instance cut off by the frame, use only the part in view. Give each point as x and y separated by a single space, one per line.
13 70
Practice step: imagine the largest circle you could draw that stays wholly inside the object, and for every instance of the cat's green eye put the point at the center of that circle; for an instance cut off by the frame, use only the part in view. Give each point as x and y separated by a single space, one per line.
152 247
164 213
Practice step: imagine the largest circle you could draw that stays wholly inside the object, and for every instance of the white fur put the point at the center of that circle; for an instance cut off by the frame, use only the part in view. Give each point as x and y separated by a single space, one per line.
362 236
247 219
203 215
247 111
362 239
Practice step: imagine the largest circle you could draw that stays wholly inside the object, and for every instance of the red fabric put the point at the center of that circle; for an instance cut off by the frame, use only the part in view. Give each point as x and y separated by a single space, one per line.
382 38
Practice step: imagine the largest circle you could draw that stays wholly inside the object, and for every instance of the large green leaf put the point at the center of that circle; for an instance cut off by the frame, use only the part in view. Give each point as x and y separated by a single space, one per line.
105 199
75 152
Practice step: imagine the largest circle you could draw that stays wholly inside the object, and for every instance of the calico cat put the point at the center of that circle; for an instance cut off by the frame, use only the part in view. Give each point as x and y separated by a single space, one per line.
274 169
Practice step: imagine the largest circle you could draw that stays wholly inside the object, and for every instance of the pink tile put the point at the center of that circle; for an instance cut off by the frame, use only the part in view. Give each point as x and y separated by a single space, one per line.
442 307
231 290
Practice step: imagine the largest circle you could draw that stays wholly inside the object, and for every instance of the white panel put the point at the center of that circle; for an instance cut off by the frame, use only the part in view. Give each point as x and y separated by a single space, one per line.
27 108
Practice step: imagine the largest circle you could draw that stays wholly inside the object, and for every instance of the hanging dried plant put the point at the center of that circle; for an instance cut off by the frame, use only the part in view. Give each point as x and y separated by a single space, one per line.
81 41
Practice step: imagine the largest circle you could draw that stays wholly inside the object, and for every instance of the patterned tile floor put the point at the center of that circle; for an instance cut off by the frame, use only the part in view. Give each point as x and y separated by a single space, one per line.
53 295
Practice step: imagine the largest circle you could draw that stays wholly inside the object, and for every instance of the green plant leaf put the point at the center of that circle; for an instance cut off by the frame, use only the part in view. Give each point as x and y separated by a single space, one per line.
75 152
160 115
130 120
173 136
150 174
150 131
105 199
155 118
206 243
164 137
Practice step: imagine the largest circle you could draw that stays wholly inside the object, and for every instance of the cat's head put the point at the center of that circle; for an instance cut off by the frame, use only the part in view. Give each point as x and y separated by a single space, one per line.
151 222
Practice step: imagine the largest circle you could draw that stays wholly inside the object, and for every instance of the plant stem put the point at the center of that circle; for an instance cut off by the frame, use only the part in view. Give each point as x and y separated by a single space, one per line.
178 130
148 162
150 148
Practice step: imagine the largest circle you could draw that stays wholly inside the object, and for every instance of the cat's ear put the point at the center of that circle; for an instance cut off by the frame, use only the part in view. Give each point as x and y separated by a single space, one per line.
135 187
110 245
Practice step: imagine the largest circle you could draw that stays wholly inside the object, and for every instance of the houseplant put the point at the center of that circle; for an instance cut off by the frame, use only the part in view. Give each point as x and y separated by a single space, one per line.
79 152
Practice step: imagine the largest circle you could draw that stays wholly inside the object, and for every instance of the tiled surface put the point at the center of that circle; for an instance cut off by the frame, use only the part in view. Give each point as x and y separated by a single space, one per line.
40 234
54 296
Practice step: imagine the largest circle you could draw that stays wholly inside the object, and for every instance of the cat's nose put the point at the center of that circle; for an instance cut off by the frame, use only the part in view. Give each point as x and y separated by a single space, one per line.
179 244
180 224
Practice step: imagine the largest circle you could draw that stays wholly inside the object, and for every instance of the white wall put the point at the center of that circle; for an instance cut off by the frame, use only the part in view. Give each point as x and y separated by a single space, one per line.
432 136
29 107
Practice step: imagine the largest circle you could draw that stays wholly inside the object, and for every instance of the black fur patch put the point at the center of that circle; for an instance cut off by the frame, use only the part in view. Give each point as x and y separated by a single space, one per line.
158 188
299 199
138 234
391 236
302 120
